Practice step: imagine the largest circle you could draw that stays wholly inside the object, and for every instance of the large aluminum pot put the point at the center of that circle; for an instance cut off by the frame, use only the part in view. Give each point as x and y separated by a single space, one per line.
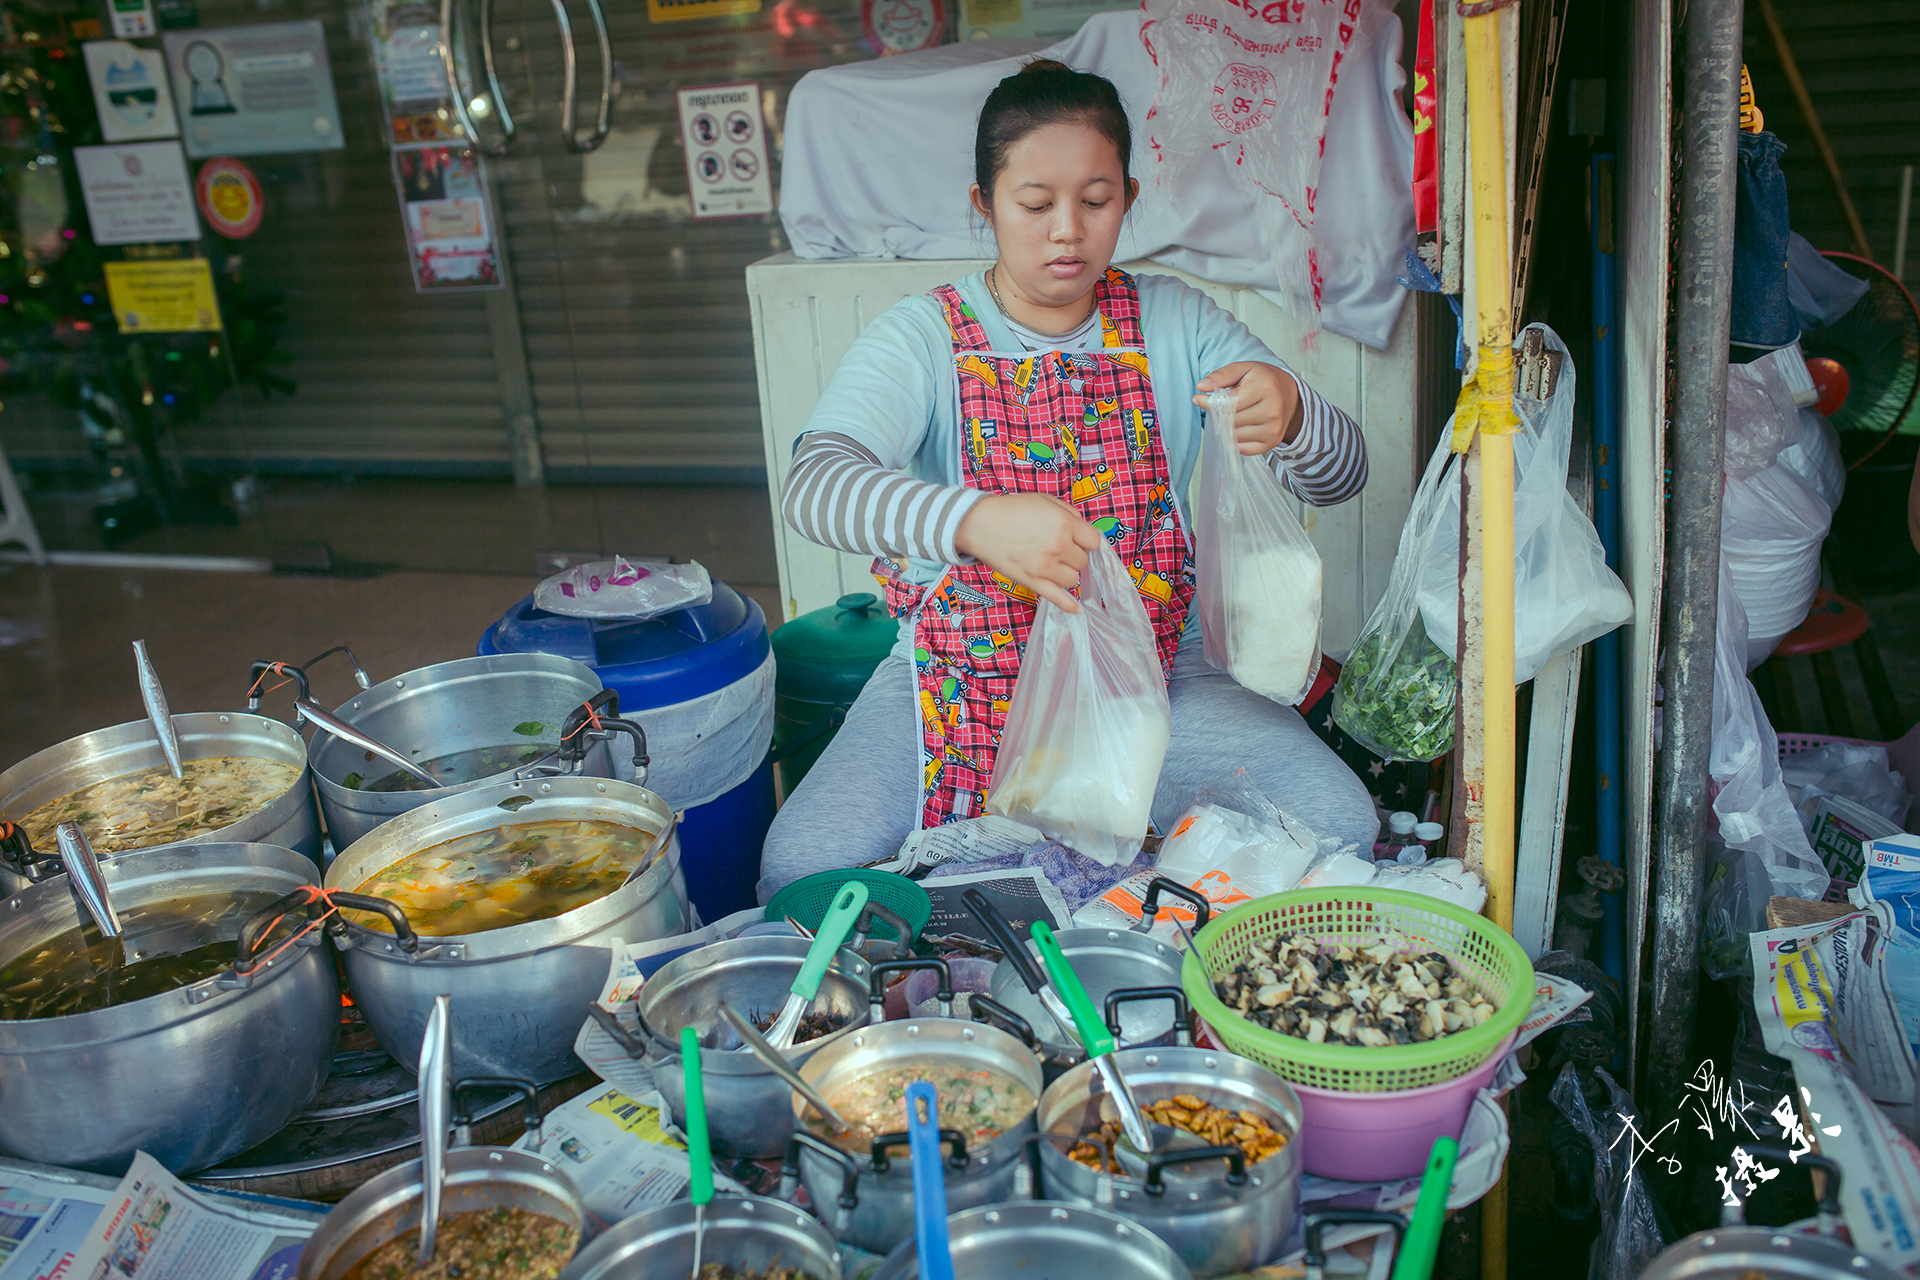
753 976
873 1191
1220 1215
519 993
191 1076
388 1205
1033 1241
751 1234
436 711
290 821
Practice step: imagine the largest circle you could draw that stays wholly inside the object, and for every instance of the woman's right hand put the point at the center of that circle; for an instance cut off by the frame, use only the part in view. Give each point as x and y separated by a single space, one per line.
1034 538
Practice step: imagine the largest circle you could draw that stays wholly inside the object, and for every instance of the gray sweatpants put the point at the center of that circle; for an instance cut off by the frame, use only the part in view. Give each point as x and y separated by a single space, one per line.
861 800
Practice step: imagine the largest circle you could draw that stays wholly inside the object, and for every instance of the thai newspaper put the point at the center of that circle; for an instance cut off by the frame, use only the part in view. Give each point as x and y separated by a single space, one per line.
154 1227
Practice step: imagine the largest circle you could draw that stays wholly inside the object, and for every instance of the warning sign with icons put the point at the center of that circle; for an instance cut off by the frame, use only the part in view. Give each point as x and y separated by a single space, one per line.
728 174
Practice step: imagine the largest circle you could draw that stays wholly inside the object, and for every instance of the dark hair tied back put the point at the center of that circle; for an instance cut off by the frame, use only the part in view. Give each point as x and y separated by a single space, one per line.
1041 93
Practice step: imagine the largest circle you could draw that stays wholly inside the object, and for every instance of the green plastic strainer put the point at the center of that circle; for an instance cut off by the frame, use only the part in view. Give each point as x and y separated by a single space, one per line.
1483 953
808 898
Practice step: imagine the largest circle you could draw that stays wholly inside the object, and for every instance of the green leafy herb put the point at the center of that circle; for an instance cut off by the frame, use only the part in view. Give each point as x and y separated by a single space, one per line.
1402 710
353 782
530 728
513 804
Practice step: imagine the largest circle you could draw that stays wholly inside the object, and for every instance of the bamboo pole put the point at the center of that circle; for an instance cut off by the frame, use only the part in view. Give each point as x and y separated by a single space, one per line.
1790 67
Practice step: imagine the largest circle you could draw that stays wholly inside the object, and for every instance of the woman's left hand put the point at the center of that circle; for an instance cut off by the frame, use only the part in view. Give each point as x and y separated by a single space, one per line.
1269 411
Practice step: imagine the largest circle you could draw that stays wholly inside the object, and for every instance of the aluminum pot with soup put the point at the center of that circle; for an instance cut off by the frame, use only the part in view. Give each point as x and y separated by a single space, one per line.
507 897
245 780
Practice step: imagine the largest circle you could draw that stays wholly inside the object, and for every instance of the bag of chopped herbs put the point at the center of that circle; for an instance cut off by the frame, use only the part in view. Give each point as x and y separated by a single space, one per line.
1396 693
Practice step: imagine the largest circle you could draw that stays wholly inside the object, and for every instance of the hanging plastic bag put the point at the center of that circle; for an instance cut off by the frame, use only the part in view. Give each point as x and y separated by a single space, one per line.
1396 692
1563 592
1772 525
619 588
1762 418
1815 458
1258 589
1088 726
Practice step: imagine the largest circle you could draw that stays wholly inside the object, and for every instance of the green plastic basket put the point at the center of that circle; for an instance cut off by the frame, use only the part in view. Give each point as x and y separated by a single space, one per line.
808 898
1480 950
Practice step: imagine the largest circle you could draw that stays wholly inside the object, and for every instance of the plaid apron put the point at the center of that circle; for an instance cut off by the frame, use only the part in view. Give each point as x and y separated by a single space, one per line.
1078 425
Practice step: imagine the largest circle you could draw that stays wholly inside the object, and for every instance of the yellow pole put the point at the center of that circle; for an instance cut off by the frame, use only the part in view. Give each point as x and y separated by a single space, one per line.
1492 411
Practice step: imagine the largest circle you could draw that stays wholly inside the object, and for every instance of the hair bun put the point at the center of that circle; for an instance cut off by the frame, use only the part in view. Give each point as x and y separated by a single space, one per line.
1041 66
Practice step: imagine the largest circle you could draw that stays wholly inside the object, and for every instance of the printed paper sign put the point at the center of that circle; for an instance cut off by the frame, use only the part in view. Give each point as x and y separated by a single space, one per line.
131 18
137 193
1028 19
130 91
249 91
449 226
903 26
412 72
229 197
173 296
728 174
683 10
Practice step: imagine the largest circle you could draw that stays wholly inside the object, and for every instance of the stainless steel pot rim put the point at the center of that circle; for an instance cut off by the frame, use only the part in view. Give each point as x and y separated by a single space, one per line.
610 1254
435 680
1018 1217
129 874
70 763
414 830
704 964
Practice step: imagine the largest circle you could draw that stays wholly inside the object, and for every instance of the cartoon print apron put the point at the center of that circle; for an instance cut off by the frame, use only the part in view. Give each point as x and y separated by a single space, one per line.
1078 425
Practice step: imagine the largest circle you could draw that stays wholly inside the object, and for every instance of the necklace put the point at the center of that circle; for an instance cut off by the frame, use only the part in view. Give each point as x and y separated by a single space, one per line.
994 289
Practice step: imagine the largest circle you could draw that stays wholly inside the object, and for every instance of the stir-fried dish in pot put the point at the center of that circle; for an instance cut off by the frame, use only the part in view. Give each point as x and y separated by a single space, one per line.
483 1244
507 875
165 946
154 807
981 1104
1220 1126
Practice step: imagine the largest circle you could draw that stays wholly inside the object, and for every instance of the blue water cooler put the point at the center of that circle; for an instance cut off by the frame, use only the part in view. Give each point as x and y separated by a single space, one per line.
660 662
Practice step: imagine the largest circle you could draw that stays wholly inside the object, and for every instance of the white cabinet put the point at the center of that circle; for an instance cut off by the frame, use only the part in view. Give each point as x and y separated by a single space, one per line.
807 313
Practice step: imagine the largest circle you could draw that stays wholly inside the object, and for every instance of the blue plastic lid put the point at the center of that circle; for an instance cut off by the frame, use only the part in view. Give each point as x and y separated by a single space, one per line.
673 658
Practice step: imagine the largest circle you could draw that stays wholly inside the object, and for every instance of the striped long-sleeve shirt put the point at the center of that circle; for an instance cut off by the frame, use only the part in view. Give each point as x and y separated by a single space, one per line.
838 494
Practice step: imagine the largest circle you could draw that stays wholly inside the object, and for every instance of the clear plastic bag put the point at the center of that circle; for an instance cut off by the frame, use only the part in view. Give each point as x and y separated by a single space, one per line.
1563 592
619 588
1258 589
1396 692
1088 726
1772 524
1762 418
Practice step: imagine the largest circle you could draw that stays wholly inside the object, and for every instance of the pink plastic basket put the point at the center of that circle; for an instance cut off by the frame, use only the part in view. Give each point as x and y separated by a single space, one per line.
1903 754
1378 1137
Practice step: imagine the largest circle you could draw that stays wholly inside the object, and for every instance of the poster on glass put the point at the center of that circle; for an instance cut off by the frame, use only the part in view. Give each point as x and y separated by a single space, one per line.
450 236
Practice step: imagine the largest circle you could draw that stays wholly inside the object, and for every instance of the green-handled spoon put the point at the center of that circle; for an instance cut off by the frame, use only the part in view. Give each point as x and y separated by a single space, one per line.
1422 1243
1093 1034
834 928
699 1152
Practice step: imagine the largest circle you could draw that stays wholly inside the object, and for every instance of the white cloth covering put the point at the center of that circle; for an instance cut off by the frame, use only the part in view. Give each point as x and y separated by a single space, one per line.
879 156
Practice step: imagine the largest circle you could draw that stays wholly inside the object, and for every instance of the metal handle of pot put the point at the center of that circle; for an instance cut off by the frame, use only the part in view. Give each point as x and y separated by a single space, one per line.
463 1115
360 676
1150 905
902 931
849 1168
261 923
1734 1215
1006 939
1236 1165
18 851
985 1009
601 712
877 996
402 930
957 1158
1316 1257
458 96
257 673
1182 1015
569 75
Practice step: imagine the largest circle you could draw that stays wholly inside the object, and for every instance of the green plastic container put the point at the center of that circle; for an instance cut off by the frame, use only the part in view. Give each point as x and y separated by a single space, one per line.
808 898
822 661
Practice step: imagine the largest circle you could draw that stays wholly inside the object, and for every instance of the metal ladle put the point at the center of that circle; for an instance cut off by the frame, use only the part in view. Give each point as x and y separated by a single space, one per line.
305 708
436 1106
155 697
84 875
770 1057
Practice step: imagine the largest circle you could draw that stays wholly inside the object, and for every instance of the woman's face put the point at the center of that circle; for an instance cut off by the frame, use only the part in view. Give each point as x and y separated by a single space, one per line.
1056 211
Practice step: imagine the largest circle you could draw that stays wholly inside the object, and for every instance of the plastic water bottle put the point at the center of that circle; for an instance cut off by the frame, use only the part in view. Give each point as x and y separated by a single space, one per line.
1426 835
1400 825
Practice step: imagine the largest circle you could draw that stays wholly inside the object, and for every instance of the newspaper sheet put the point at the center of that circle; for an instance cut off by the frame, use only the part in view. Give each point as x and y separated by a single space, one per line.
43 1220
153 1227
1880 1189
1824 988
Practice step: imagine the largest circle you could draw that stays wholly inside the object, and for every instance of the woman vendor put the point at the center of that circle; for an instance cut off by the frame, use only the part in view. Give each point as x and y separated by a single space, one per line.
981 439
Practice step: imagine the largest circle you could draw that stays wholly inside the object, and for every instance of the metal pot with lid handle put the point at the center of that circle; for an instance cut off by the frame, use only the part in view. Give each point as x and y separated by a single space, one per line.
1032 1238
1737 1251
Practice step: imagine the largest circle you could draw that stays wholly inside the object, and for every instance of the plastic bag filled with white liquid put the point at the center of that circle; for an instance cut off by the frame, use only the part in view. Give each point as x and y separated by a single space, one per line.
1257 574
1088 726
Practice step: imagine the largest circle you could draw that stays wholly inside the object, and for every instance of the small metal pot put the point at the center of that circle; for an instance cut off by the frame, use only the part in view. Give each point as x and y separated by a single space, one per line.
752 975
520 990
747 1233
190 1076
1219 1214
1028 1238
1106 961
874 1192
290 821
435 711
388 1205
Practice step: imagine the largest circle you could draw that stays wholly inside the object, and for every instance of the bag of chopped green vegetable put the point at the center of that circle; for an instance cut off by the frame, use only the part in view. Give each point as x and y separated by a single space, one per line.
1396 693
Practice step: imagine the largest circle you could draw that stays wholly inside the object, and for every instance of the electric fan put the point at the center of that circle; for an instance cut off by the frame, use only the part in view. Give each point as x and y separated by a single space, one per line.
1877 346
